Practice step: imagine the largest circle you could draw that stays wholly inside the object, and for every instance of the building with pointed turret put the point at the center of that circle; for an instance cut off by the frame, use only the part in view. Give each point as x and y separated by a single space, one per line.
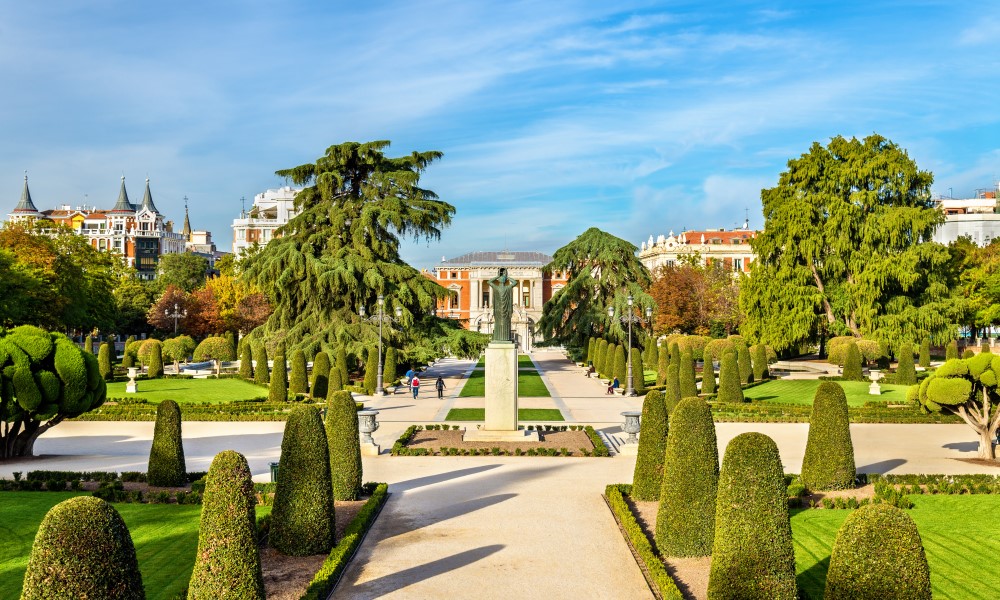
139 233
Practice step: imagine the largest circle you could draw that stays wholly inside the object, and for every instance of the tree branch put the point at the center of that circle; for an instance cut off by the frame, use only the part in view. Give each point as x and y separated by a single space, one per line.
826 303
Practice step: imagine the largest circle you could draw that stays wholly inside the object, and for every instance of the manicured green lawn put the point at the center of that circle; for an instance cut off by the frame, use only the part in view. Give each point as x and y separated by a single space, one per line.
959 536
523 414
801 391
165 538
529 385
190 390
523 360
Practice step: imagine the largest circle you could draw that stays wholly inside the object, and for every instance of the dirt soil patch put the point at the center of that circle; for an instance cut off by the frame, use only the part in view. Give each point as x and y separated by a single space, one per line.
690 574
287 577
983 462
435 440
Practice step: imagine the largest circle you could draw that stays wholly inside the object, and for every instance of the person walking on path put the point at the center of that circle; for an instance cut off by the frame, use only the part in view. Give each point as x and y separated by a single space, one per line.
439 384
415 386
409 378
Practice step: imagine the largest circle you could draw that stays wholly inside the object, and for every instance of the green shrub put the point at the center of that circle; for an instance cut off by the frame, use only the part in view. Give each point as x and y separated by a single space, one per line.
951 351
83 550
278 389
662 362
389 374
371 372
104 361
621 367
166 457
878 553
743 362
852 363
600 347
227 564
246 363
925 353
88 345
650 354
638 371
672 391
155 365
968 353
708 373
752 556
729 378
336 383
341 363
685 521
829 460
590 350
302 520
688 381
675 353
906 373
297 383
758 355
321 376
261 374
648 476
344 444
144 351
216 349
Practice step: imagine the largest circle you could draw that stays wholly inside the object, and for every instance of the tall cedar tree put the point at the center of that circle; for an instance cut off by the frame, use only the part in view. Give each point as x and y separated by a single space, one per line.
342 249
602 270
846 246
297 383
688 381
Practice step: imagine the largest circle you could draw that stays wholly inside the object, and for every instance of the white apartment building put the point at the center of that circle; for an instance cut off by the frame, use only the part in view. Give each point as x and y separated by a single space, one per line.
975 218
271 209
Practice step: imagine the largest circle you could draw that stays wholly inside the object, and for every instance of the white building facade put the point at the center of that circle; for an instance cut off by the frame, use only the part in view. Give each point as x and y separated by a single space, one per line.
976 218
731 249
271 209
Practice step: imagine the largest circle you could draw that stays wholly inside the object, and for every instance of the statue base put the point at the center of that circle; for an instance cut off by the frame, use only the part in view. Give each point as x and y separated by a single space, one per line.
501 387
485 435
130 388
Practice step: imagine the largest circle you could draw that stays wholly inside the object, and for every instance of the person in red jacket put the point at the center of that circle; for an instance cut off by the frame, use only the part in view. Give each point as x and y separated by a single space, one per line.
415 385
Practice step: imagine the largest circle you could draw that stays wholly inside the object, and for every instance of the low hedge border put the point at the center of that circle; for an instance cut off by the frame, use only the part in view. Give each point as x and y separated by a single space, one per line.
400 448
659 580
329 574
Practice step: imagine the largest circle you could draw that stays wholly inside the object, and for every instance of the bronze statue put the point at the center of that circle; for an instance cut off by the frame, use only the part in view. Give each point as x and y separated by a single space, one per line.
503 305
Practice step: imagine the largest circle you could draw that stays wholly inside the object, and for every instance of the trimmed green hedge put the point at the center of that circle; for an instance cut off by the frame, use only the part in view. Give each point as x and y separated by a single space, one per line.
688 381
302 521
829 459
878 554
228 560
166 456
277 391
371 371
758 355
743 361
729 378
661 579
246 362
672 393
261 372
708 374
753 556
321 376
853 364
648 475
104 361
925 353
685 521
83 550
600 448
333 567
297 383
344 445
906 372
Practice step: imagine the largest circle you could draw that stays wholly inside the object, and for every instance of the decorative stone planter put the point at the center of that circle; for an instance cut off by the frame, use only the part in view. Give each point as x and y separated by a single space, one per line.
631 425
875 389
130 387
367 425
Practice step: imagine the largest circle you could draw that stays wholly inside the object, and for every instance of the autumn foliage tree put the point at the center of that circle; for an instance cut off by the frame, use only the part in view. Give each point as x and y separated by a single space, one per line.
693 296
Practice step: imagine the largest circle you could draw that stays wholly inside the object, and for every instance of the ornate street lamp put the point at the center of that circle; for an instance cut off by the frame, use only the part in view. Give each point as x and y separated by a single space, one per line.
629 319
177 314
380 317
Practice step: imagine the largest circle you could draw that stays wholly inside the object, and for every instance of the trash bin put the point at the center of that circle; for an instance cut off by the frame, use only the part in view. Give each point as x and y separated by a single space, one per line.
274 472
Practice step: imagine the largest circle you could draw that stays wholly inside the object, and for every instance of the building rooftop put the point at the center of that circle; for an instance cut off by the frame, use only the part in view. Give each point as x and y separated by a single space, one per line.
501 259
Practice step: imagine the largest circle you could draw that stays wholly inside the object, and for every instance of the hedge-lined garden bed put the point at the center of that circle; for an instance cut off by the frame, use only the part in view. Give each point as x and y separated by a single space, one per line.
445 440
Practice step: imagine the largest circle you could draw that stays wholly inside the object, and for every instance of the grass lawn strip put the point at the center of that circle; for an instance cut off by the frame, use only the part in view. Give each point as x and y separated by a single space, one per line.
189 390
523 414
801 391
523 360
529 385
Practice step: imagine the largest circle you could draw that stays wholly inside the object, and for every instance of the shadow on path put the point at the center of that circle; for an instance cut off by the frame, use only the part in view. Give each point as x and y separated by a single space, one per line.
963 446
410 484
882 466
388 584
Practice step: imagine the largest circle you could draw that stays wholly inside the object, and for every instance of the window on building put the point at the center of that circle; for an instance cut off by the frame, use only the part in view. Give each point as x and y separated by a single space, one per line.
454 275
737 264
486 298
526 299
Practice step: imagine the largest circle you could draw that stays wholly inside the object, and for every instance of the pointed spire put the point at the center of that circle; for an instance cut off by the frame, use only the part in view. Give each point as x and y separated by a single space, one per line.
147 199
123 205
25 205
186 232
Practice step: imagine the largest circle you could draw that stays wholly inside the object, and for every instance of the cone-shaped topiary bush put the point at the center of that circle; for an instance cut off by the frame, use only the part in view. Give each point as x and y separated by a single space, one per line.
743 361
104 361
753 555
925 353
83 550
155 369
371 371
829 459
662 362
227 564
638 372
906 372
951 351
729 378
88 345
336 383
758 355
261 375
648 476
297 383
341 362
166 457
246 363
650 354
278 389
389 374
708 373
672 392
602 349
685 522
675 353
302 518
621 367
590 350
852 363
345 445
321 376
878 554
688 380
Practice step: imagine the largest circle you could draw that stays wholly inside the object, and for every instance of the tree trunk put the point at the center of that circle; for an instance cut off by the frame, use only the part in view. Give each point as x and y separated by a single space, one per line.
986 445
19 443
826 303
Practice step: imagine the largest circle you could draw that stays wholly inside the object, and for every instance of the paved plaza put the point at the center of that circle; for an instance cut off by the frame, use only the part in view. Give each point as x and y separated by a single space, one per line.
492 527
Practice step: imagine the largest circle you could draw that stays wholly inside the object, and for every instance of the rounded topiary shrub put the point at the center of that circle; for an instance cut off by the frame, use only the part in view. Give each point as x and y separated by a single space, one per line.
753 555
302 518
261 371
345 445
925 353
277 390
906 372
708 373
688 380
829 458
852 363
878 554
216 349
951 351
246 362
320 376
104 361
83 550
672 392
88 344
648 476
297 383
685 521
730 389
227 564
166 457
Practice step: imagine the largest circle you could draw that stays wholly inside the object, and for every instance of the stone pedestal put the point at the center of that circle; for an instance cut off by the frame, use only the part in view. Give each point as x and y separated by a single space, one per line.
501 398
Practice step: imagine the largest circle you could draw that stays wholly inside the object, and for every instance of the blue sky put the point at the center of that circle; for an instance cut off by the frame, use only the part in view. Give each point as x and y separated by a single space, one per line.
553 116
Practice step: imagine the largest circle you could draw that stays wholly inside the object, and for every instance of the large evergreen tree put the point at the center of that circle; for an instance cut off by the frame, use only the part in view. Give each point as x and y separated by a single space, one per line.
846 248
342 250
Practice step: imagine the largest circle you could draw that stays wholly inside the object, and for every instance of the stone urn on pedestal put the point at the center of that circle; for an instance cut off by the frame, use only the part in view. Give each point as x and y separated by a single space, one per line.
367 425
875 389
631 426
130 387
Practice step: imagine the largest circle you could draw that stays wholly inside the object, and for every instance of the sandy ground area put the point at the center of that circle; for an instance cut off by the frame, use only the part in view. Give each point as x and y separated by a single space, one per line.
571 440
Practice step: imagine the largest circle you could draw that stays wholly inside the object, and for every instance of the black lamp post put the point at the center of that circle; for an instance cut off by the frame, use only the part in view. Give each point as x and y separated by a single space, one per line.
380 317
176 315
629 319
